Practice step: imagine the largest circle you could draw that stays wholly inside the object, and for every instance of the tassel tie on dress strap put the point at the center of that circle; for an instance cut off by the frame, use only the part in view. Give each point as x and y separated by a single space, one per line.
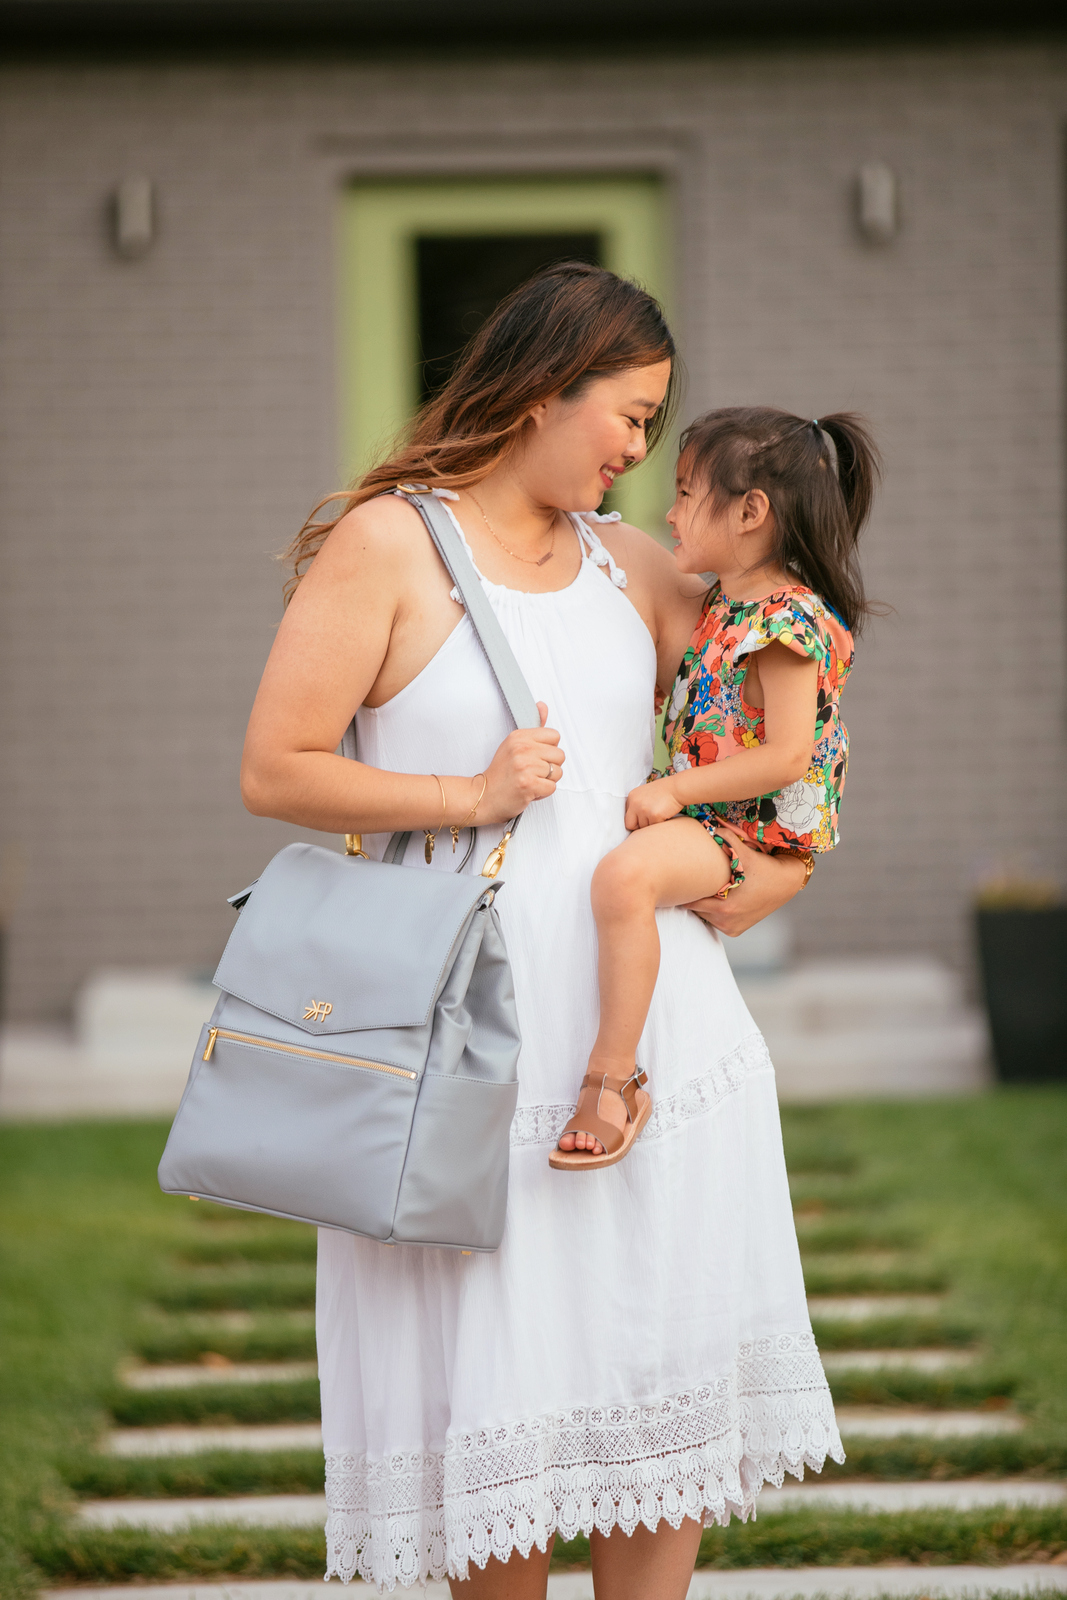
597 553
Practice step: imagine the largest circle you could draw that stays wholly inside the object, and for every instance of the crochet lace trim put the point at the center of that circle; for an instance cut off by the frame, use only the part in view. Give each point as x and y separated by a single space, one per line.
543 1124
703 1454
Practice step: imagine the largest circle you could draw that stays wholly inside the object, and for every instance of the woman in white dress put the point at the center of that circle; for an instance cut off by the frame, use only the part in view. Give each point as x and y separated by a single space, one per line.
636 1359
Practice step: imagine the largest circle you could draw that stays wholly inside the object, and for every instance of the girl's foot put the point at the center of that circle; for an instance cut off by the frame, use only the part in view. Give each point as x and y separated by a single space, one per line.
608 1117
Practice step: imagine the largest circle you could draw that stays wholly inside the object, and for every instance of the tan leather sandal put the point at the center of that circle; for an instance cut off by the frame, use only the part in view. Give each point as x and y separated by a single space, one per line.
616 1141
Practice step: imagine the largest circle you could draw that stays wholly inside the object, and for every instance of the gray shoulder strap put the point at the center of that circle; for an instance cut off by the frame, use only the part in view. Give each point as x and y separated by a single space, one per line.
506 670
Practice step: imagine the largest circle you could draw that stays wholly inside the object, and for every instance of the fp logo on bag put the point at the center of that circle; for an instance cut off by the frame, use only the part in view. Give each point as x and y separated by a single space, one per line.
317 1011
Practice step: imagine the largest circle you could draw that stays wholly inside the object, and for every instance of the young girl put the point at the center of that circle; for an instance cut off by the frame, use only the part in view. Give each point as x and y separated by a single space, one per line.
773 505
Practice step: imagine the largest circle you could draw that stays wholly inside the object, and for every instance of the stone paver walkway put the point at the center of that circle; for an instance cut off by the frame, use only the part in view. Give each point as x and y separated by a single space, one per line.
198 1374
248 1511
751 1583
960 1494
854 1422
303 1510
878 1422
859 1307
190 1441
940 1360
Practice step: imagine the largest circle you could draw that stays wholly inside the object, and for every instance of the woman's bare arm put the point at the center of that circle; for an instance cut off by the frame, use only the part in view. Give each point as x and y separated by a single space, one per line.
770 883
373 609
669 601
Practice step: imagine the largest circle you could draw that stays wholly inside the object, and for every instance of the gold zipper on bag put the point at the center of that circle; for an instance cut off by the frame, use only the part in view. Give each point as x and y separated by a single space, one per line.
298 1050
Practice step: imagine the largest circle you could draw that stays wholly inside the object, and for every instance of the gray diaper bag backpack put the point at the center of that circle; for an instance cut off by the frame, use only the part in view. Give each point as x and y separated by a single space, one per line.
359 1069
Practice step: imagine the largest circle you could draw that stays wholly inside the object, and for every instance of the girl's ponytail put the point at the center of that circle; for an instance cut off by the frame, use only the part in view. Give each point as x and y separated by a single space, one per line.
819 475
858 464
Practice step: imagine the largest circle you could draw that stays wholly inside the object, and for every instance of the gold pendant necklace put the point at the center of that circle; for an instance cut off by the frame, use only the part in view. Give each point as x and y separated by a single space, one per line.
526 560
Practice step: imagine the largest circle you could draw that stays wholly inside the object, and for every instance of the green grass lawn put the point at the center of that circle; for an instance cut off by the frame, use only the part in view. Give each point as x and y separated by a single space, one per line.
972 1194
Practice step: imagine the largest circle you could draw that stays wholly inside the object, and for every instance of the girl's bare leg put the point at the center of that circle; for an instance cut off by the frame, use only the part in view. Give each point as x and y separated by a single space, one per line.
645 1566
668 864
517 1579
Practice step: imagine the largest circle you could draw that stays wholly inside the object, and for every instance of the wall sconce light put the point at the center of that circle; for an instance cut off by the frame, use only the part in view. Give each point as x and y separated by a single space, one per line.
877 205
133 214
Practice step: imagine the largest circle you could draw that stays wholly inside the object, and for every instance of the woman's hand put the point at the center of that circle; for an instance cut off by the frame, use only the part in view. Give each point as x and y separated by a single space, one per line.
526 767
770 882
650 803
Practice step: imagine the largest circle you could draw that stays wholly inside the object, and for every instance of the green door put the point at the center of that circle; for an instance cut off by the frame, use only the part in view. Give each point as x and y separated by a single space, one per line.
422 263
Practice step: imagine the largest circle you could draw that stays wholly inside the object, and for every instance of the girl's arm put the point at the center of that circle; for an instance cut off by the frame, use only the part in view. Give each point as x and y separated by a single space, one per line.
790 690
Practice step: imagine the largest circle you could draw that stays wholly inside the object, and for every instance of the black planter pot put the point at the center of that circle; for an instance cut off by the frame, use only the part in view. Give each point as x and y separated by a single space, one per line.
1024 970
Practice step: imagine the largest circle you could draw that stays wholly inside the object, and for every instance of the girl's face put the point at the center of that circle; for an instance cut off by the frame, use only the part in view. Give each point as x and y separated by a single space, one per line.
700 523
725 534
577 448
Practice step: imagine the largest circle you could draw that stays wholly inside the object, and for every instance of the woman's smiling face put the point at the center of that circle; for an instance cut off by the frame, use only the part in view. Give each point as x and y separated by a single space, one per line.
577 448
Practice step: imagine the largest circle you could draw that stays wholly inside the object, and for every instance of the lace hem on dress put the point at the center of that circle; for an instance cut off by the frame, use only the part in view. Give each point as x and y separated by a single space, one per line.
543 1124
704 1454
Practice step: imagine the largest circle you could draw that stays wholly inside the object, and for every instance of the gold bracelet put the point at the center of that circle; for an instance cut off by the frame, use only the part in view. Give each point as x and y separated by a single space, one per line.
431 838
809 863
457 827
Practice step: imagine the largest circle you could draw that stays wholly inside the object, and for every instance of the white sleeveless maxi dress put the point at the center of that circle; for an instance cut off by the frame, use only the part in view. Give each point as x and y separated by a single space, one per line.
639 1347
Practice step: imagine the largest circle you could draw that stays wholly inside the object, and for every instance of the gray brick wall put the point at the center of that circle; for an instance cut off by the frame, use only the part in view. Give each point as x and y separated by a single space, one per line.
165 423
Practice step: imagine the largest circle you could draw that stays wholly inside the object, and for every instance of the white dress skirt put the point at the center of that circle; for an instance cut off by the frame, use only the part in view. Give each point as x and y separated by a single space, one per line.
639 1348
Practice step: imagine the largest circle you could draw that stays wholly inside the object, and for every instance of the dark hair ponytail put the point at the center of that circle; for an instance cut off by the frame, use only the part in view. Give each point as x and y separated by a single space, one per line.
819 476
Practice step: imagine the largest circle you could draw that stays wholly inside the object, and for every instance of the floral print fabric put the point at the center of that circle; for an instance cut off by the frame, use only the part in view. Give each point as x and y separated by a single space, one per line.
709 719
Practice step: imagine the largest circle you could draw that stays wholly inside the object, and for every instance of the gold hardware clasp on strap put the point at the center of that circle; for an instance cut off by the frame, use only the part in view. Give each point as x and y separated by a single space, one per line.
495 859
354 846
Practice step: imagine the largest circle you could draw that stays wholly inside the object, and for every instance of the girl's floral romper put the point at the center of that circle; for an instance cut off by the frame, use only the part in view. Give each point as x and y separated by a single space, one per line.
709 719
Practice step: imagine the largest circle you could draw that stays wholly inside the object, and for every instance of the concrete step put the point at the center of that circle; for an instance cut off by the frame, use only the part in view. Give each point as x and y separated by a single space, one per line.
854 1422
46 1075
128 1053
131 1012
945 1360
190 1441
909 1063
845 995
885 1422
209 1322
859 1307
957 1495
307 1510
750 1583
248 1511
201 1375
874 1027
885 1027
863 1583
195 1375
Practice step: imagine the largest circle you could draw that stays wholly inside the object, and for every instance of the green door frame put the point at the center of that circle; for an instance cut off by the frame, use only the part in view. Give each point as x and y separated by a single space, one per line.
379 357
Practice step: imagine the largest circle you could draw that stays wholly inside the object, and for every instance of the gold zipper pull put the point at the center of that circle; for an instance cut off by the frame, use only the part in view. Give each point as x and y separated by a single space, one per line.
212 1035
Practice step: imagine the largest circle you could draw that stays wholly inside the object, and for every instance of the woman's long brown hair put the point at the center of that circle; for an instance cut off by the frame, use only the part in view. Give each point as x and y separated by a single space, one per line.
563 328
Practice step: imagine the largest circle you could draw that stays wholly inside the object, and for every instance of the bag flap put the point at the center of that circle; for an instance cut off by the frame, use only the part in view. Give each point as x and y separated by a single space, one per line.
333 943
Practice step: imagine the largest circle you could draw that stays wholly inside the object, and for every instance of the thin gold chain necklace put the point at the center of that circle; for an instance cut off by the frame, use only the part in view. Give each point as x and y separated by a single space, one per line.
526 560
